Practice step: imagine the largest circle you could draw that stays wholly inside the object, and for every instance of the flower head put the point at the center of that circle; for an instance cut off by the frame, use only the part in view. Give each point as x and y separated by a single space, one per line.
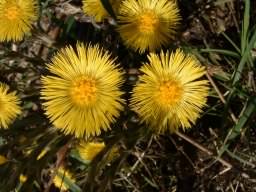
95 8
3 159
23 178
170 93
82 97
89 150
9 106
60 179
147 24
16 18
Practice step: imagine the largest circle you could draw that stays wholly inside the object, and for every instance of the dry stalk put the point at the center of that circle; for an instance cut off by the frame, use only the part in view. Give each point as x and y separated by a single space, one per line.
205 150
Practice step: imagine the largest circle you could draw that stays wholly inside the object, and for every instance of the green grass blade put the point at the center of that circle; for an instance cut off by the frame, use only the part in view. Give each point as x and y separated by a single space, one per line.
231 42
151 183
236 130
239 158
246 54
221 51
74 154
223 149
250 109
69 24
245 26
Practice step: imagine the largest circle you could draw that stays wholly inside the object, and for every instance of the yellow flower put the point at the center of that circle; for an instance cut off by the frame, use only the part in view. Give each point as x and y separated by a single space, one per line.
3 160
170 93
147 24
60 179
82 97
95 8
16 18
89 150
23 178
9 106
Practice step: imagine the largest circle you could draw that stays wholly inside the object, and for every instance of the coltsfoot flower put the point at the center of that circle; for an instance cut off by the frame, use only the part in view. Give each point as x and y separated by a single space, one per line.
89 150
95 9
60 179
3 160
147 24
9 106
82 96
23 178
170 93
16 18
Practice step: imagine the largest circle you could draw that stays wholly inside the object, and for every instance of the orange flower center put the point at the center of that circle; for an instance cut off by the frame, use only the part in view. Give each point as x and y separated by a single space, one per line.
12 12
148 22
83 91
170 92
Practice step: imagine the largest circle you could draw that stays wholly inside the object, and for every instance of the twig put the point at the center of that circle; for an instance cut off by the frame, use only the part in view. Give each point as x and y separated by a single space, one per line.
61 154
140 157
129 182
220 95
180 149
221 173
205 150
216 88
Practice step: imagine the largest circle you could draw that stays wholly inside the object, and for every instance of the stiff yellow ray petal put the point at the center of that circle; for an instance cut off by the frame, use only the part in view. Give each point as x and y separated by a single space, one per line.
9 106
95 9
